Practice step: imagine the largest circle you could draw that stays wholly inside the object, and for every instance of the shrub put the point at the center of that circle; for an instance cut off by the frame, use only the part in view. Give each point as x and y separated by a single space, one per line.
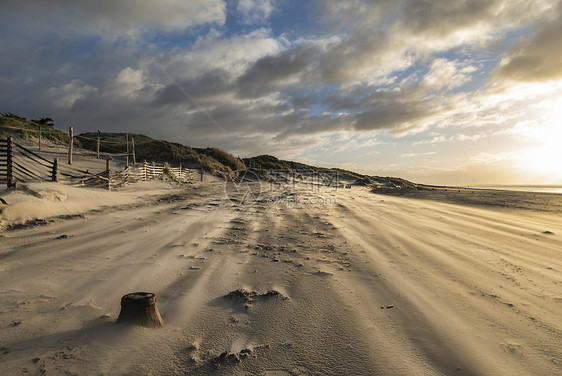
223 157
215 167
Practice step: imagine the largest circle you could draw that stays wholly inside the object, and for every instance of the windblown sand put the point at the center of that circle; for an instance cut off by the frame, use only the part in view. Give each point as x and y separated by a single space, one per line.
353 284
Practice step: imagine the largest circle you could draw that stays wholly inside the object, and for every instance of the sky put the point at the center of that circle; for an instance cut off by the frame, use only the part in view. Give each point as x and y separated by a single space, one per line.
463 92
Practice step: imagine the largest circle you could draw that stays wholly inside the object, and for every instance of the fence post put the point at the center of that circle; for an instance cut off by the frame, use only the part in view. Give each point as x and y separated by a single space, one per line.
201 173
99 140
39 137
144 171
70 143
54 173
133 146
108 171
127 148
10 181
180 177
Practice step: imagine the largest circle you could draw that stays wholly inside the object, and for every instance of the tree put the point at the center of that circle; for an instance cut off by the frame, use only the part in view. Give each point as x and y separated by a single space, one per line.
45 121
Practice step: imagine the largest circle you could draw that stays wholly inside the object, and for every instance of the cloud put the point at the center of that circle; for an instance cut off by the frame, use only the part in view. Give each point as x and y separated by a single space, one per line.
272 72
447 74
67 94
111 18
255 12
491 158
233 54
412 155
538 58
214 83
177 70
129 83
456 138
394 115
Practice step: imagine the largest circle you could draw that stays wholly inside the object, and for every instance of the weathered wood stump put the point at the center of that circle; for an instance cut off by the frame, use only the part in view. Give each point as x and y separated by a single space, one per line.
139 308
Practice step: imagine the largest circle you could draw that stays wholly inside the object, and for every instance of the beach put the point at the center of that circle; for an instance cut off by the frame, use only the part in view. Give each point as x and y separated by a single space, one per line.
299 281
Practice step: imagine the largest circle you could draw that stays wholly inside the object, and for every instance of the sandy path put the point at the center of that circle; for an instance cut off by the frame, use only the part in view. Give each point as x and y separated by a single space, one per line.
368 285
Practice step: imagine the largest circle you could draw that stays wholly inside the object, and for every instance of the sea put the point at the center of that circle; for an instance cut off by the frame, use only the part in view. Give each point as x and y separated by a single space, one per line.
524 188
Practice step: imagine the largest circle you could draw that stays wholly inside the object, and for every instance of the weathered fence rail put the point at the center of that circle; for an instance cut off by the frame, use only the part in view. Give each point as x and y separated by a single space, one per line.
149 171
3 161
19 164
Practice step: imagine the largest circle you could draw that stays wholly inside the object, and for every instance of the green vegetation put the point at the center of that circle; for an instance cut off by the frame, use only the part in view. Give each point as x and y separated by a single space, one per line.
215 167
215 161
146 148
223 157
269 162
18 126
262 164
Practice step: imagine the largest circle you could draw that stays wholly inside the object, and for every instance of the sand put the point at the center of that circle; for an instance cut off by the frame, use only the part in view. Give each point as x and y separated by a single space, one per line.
301 282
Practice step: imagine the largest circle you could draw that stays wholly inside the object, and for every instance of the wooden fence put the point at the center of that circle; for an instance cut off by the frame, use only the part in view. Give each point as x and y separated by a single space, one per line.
149 171
19 164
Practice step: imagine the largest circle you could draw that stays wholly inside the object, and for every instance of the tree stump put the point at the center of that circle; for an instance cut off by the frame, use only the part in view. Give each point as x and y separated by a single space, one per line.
139 308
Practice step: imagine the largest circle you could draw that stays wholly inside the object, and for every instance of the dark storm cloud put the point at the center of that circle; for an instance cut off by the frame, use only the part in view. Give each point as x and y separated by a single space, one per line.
398 116
538 58
279 120
347 99
271 72
445 16
115 18
209 84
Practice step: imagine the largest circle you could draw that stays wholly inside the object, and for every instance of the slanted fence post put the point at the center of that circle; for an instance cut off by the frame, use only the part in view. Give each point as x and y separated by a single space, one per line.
54 174
108 171
70 144
133 146
127 150
99 141
10 180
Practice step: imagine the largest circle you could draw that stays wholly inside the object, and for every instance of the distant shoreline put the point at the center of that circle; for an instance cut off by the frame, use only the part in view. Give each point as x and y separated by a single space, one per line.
547 188
540 201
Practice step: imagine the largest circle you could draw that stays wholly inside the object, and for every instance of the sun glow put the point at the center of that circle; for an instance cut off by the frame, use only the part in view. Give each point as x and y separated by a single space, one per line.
543 158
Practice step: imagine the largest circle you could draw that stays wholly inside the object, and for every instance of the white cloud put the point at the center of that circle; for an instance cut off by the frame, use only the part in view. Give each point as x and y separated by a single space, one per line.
412 155
354 141
456 138
129 83
67 94
448 74
233 55
255 12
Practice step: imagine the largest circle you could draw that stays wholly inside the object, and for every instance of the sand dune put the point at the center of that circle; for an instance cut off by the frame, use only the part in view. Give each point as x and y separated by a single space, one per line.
353 284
